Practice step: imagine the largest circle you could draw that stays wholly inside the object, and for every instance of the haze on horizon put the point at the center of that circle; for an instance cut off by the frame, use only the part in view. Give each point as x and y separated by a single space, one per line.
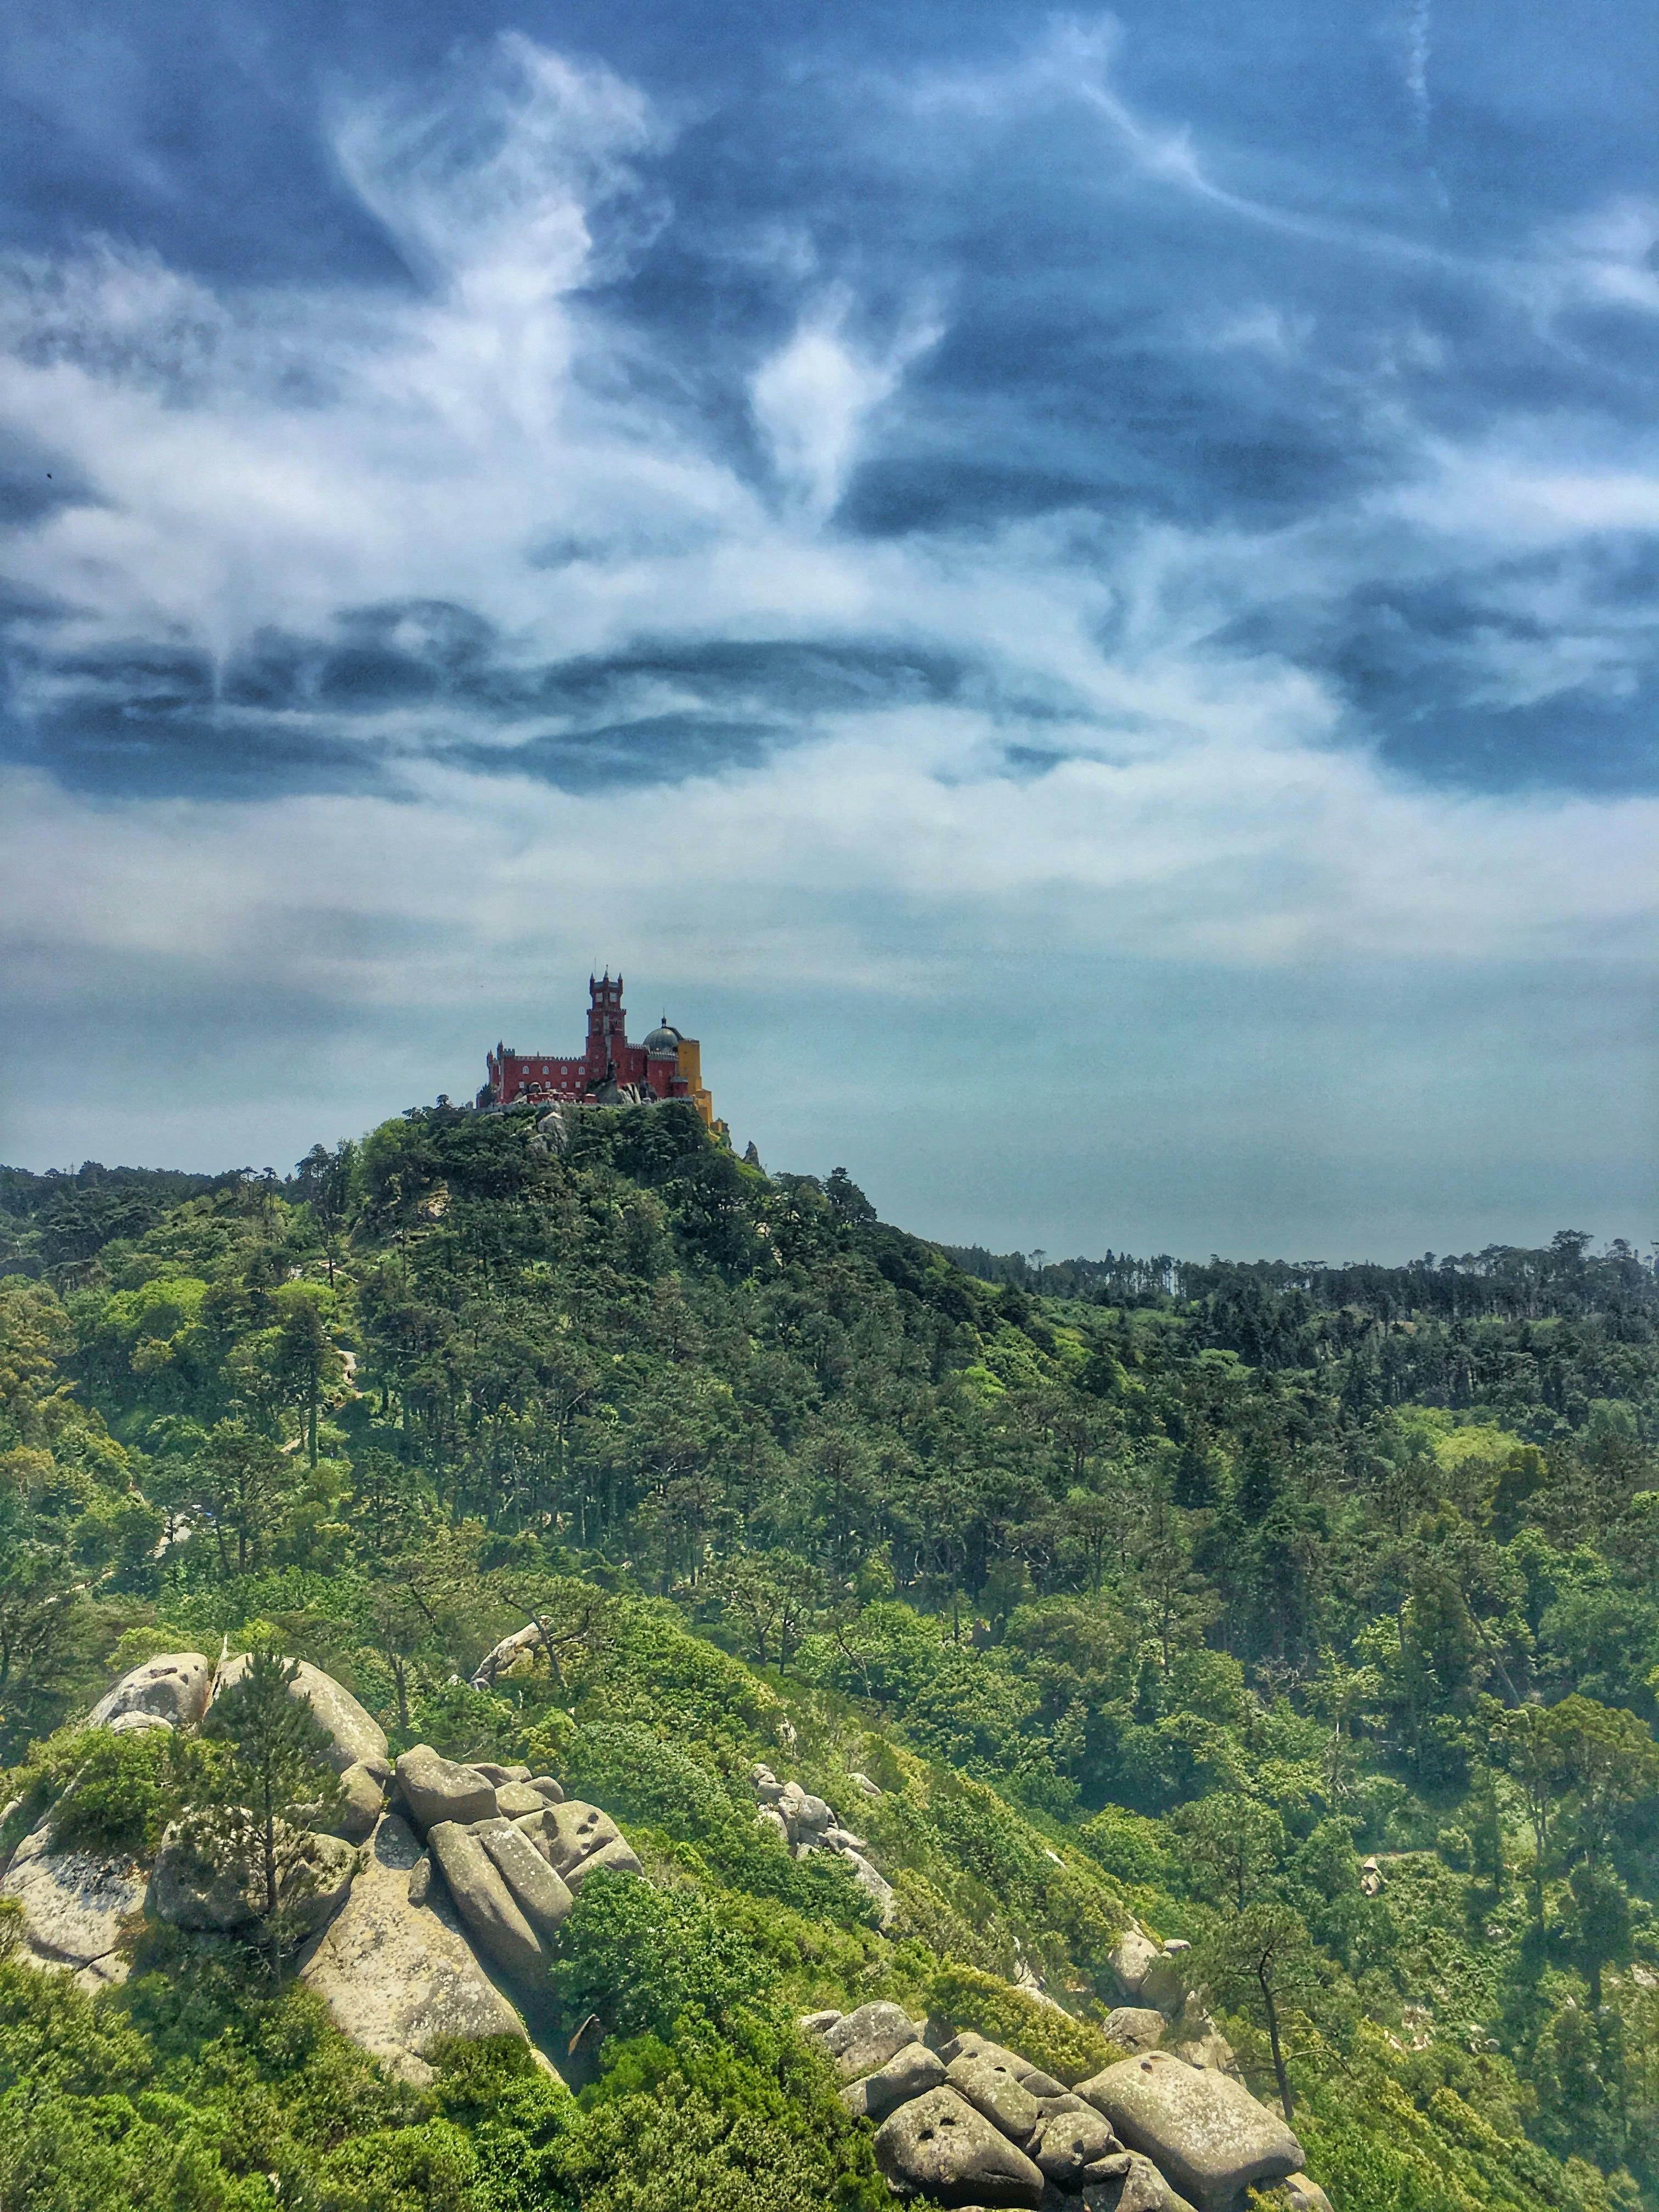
1076 594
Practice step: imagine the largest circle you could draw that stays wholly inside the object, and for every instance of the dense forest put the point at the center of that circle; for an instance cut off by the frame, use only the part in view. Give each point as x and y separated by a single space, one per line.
1322 1600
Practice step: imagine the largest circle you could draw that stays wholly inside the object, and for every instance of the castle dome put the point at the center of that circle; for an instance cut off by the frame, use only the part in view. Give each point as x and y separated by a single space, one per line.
663 1043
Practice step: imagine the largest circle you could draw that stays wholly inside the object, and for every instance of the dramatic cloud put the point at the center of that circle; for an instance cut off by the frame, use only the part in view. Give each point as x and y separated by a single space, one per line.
1039 609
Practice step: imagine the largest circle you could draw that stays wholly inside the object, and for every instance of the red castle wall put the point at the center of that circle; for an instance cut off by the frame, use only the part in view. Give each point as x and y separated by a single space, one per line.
515 1075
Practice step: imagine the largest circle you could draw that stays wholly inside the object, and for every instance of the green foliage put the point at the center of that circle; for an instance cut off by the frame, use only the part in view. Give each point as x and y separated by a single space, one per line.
250 1813
1071 2050
642 1957
756 2127
123 1790
1178 1586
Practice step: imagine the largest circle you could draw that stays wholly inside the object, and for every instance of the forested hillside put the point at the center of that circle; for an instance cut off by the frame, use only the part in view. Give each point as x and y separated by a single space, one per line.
1182 1591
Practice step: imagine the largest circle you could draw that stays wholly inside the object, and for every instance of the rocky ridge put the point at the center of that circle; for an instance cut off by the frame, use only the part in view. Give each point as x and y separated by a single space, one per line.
435 1882
962 2122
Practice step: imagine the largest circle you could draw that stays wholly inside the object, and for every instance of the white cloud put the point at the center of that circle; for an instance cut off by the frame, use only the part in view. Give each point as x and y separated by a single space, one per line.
812 399
496 435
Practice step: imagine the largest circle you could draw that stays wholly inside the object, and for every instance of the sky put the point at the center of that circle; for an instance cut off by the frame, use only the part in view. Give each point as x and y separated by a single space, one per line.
1076 594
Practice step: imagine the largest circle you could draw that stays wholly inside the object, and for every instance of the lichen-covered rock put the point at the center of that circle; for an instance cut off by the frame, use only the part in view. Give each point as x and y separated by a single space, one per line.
861 2041
909 2073
1128 1961
805 1817
520 1647
969 2043
362 1799
484 1902
189 1893
618 1856
938 2146
878 1885
170 1688
514 1800
1194 2036
546 1786
355 1735
398 1973
436 1789
539 1893
992 2088
1067 2143
1163 1984
1135 2028
1133 2185
1204 2132
1304 2196
75 1905
574 1831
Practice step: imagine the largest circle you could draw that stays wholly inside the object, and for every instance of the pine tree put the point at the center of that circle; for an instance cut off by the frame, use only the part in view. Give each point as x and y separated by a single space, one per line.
271 1793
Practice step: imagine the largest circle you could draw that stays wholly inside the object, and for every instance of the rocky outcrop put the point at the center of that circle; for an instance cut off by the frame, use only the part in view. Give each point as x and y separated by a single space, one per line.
1304 2196
807 1823
1136 2186
1071 2147
188 1893
939 2146
1154 2134
539 1893
355 1735
573 1832
516 1801
1205 2133
75 1906
990 2086
435 1789
486 1904
362 1793
171 1687
398 1974
519 1649
910 2073
1135 2028
618 1856
139 1724
860 2041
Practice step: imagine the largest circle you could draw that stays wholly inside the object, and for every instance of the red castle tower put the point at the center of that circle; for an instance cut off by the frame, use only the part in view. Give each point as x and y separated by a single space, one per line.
611 1071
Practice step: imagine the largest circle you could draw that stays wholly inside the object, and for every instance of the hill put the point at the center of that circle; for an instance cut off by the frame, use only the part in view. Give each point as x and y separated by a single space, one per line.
1307 1617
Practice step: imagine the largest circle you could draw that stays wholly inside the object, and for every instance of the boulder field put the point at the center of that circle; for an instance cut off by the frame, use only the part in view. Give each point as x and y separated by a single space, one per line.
435 1879
960 2121
435 1897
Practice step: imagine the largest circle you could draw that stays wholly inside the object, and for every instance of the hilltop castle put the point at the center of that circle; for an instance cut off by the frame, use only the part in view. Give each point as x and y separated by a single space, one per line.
611 1072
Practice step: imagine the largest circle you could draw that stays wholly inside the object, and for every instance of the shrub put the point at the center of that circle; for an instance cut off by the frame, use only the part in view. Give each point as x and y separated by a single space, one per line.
700 2123
635 1776
124 1790
1129 1846
1069 2049
642 1957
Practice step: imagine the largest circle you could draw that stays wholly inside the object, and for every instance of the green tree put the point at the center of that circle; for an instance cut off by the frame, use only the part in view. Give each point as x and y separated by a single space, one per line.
241 1481
770 1595
1233 1846
1260 1961
274 1789
1530 1746
305 1360
1599 1928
